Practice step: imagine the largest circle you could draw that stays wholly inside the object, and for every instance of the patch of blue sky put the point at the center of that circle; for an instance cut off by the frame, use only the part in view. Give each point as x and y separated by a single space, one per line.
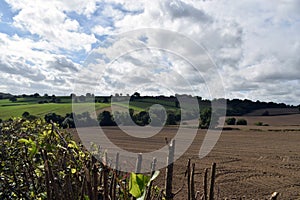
6 23
81 55
10 30
103 41
97 18
7 13
144 39
28 62
166 61
76 56
82 20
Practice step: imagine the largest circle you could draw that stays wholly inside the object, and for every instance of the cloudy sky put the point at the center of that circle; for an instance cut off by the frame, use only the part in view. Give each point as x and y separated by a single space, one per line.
54 46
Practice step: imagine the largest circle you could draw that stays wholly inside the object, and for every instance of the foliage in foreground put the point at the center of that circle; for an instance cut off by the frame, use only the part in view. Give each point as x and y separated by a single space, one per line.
39 162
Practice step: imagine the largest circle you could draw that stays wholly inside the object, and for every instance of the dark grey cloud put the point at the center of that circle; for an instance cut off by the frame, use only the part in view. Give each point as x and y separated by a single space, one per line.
62 64
179 9
19 68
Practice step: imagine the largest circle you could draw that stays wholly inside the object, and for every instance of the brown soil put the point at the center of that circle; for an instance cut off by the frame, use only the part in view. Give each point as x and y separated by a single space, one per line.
274 111
280 120
252 162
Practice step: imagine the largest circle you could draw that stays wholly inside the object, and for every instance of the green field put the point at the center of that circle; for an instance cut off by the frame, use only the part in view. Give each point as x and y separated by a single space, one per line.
10 109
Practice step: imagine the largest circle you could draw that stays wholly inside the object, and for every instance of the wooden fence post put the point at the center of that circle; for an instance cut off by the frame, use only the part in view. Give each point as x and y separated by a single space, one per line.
153 166
212 181
138 165
188 171
193 182
116 173
274 196
169 171
95 177
205 184
105 177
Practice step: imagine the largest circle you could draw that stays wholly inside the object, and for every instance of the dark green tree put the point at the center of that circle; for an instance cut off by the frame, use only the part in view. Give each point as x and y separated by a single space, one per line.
25 114
142 118
136 95
54 118
105 100
81 98
35 95
68 121
105 119
208 119
265 113
241 122
177 104
131 112
13 99
230 121
171 119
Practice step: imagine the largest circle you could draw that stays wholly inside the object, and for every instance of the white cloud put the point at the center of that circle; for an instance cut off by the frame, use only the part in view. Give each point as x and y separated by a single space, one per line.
255 44
23 67
48 21
252 42
100 30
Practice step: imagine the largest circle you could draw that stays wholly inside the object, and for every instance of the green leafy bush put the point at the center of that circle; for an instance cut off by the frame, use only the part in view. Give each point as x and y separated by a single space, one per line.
36 163
241 122
259 123
230 121
40 162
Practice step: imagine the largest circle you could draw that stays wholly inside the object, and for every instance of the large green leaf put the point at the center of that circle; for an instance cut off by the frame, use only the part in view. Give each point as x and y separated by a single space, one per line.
137 184
23 140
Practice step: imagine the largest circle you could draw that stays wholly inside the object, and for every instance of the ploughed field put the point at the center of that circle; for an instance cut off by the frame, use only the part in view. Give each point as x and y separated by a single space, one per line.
251 163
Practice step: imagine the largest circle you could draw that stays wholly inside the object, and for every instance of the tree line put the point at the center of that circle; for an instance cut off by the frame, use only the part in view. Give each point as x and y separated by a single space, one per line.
235 107
142 118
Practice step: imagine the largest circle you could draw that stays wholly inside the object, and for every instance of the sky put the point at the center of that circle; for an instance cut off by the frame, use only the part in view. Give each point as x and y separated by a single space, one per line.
246 49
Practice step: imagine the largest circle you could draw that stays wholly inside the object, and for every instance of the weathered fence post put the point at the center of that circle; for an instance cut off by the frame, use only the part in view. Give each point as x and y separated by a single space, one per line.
138 165
274 196
212 181
169 171
116 173
95 177
193 182
205 184
105 177
153 166
188 172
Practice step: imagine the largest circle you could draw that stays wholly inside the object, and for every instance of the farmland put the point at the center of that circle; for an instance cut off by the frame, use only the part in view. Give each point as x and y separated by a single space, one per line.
251 163
16 109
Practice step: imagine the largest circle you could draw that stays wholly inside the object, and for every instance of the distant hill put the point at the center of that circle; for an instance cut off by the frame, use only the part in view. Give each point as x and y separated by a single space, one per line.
238 107
39 105
5 95
273 112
